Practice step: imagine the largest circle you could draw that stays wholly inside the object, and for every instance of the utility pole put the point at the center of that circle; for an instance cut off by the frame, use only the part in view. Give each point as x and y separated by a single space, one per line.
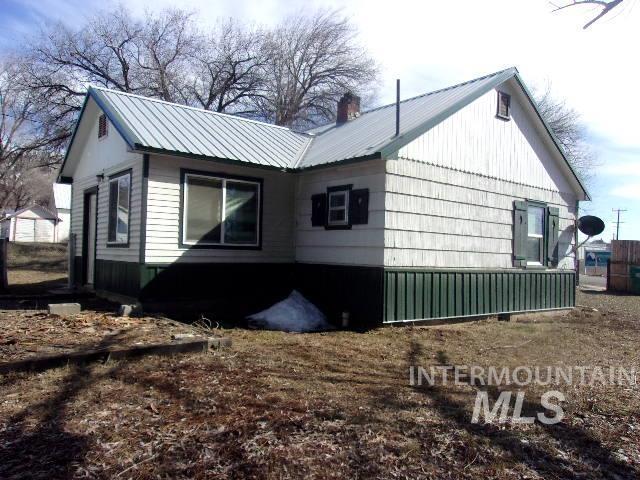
618 222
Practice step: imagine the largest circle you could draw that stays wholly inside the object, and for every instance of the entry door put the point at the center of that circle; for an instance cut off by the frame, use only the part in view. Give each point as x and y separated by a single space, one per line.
89 234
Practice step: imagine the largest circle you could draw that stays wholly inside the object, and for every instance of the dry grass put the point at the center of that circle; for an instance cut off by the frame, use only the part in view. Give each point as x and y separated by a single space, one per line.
334 405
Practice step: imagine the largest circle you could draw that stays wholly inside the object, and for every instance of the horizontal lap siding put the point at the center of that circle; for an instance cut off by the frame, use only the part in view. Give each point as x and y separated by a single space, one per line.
362 244
425 295
163 209
465 223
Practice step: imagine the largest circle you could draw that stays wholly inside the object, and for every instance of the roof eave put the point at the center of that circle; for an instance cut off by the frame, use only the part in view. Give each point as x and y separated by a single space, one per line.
552 135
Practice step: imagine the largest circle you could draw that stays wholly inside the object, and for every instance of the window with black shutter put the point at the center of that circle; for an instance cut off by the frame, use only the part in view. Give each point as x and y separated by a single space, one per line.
535 234
340 208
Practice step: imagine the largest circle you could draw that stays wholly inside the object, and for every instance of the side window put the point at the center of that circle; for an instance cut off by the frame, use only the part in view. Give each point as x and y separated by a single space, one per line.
535 234
119 197
338 208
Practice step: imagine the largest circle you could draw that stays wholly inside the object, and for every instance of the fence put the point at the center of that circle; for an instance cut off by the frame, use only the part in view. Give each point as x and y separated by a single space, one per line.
624 269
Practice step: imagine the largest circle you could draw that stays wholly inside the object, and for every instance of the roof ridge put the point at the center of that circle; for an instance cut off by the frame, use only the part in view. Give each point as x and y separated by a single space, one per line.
188 107
426 94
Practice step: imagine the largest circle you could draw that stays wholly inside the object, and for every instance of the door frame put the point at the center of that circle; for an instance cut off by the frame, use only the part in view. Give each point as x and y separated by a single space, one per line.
85 234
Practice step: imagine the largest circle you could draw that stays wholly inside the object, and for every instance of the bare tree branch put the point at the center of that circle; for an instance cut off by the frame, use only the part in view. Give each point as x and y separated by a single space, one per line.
606 8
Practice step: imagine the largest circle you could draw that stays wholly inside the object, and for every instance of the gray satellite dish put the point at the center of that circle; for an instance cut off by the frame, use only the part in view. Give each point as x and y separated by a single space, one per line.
590 225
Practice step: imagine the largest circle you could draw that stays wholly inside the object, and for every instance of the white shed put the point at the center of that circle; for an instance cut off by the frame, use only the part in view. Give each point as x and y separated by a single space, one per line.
30 224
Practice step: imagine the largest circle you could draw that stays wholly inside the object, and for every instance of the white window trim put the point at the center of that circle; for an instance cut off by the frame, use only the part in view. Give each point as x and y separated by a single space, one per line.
345 207
537 235
111 180
223 215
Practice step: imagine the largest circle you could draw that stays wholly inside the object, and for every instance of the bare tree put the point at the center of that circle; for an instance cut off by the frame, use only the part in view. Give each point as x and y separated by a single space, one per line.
27 145
605 8
167 43
570 132
228 69
313 60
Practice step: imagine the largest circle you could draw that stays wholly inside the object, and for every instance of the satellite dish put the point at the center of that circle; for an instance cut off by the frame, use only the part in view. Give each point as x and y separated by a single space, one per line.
590 225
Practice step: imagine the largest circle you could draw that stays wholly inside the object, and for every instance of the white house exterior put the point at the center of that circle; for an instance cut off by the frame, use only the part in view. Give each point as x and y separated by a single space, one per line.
30 224
463 213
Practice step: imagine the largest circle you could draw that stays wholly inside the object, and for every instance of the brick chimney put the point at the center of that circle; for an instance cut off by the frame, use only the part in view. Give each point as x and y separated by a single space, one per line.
348 108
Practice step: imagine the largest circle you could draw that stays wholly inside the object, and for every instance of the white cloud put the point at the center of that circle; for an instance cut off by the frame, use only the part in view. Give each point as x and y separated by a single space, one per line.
627 190
623 169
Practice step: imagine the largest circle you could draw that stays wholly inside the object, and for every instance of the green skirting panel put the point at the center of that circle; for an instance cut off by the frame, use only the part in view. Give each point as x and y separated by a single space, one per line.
118 277
432 294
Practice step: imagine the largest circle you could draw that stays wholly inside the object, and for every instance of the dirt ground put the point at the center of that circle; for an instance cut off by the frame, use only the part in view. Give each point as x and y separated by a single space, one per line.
35 268
333 405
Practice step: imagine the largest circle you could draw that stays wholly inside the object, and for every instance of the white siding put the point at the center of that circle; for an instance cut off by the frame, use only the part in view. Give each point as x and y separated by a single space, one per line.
473 140
106 156
438 217
45 230
449 196
163 209
25 229
62 228
363 244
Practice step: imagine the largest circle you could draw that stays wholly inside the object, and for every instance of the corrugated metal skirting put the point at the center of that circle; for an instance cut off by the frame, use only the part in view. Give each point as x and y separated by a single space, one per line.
418 294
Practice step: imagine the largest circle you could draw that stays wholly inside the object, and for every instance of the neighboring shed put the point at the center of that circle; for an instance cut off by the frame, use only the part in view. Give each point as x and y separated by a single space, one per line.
30 224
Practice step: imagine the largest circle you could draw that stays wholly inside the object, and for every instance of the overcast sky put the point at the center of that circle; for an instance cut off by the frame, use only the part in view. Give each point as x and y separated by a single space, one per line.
430 44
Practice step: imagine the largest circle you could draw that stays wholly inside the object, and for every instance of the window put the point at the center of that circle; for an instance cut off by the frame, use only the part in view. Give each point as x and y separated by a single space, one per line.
504 106
338 207
103 126
119 198
535 235
220 211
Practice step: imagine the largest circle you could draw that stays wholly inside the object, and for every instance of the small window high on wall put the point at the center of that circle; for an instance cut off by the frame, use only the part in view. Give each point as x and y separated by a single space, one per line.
119 199
504 106
103 126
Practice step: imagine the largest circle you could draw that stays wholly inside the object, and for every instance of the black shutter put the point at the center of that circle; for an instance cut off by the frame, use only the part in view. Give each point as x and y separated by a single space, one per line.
113 210
520 232
359 206
553 217
319 210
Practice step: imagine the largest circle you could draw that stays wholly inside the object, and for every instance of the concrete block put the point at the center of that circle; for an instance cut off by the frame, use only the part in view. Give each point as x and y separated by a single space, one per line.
64 309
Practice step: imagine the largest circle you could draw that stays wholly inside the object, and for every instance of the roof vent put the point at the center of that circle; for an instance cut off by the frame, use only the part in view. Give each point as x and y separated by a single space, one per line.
348 108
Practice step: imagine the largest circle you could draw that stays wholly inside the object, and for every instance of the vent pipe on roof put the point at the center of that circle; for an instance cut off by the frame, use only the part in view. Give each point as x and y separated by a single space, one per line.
397 107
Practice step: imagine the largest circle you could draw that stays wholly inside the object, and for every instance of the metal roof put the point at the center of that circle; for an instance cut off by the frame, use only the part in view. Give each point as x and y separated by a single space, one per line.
374 131
155 125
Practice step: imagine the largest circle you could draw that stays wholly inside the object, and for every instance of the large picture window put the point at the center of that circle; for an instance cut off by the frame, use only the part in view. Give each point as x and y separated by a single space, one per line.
119 199
220 211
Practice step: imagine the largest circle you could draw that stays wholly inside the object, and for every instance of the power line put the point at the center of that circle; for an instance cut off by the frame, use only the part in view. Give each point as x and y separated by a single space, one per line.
618 222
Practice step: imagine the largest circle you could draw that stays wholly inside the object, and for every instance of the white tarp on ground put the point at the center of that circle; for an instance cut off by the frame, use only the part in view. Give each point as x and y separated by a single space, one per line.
293 314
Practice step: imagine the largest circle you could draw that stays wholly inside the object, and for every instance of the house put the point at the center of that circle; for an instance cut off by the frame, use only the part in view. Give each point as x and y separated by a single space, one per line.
594 256
30 224
456 203
62 201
